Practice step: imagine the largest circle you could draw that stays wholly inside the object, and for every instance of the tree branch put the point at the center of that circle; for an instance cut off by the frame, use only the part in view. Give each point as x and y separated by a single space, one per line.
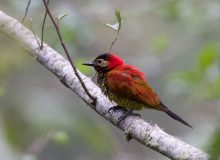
149 135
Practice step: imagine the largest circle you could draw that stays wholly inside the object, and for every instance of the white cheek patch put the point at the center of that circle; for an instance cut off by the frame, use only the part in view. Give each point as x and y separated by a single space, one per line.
103 64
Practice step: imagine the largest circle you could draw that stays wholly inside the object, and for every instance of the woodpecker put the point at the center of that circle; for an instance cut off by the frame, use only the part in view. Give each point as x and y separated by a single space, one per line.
127 86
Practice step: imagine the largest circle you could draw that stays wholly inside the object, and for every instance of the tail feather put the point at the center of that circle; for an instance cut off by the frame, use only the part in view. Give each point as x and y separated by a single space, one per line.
174 115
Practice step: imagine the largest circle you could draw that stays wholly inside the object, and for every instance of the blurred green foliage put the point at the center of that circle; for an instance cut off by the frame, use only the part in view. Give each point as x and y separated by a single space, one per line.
8 62
82 68
171 10
61 137
204 75
18 130
203 81
160 43
208 56
101 144
2 90
213 148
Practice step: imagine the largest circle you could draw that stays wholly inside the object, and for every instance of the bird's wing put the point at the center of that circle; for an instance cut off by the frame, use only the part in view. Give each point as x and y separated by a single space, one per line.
130 83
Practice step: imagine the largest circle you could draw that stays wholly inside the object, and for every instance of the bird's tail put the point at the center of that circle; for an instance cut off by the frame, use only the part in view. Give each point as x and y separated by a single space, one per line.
174 115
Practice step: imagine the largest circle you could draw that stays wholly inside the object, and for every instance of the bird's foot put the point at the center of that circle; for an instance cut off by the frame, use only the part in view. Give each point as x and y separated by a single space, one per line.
128 113
114 108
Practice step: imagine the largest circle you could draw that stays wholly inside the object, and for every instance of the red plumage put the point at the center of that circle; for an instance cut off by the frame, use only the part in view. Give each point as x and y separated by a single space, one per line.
127 86
127 81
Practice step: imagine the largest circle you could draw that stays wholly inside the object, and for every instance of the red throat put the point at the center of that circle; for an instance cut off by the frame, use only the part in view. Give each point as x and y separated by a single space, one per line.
114 61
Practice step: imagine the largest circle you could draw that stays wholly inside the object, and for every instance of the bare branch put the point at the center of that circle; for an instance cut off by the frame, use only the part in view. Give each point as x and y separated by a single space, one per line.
26 11
116 38
149 135
32 29
67 52
42 28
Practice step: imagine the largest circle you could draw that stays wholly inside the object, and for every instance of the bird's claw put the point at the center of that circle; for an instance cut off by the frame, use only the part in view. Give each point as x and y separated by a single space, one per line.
129 113
114 108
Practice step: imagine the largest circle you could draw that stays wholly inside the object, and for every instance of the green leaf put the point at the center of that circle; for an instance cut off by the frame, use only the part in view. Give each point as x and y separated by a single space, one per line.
117 25
113 26
60 17
118 16
207 56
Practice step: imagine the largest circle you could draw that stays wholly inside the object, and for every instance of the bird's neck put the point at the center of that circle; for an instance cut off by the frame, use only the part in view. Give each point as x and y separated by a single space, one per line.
101 80
101 77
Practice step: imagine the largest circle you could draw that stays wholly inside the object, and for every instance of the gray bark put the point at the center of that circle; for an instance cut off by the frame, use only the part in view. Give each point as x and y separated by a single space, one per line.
147 134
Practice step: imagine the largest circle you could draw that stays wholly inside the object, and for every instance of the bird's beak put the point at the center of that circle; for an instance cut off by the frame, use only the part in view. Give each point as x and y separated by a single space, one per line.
89 64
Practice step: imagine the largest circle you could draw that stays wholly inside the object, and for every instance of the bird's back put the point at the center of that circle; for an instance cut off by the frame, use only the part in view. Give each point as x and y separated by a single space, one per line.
126 85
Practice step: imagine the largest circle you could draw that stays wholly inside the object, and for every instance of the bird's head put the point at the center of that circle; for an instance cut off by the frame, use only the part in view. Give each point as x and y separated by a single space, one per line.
105 62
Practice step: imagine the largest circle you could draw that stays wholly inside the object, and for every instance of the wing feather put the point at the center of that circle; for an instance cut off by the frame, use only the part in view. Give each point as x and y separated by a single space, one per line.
130 83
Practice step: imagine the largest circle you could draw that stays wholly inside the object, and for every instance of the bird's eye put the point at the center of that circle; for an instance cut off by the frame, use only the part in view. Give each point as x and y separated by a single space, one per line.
99 61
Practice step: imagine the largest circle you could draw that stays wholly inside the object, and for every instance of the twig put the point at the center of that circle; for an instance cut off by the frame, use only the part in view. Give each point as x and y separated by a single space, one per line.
32 29
42 29
31 26
67 53
26 11
113 42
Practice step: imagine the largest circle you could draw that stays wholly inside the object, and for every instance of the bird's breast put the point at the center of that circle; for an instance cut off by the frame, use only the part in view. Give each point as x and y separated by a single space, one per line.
125 102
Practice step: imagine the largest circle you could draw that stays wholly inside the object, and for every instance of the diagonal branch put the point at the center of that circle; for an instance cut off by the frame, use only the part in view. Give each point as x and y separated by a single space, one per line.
67 52
149 135
26 11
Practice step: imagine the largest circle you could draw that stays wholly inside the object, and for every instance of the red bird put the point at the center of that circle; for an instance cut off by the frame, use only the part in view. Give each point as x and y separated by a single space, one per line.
127 86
